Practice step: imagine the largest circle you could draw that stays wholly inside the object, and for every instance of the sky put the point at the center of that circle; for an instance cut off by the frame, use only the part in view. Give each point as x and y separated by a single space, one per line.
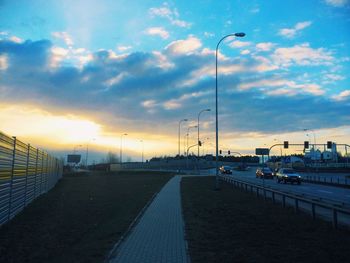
77 74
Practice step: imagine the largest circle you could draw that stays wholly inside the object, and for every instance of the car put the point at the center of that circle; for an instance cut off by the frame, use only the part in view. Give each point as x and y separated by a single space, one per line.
264 172
288 175
275 171
225 170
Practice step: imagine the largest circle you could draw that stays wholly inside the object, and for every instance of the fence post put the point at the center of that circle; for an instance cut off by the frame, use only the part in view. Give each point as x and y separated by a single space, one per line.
335 218
296 205
284 201
27 170
313 211
12 172
47 173
36 171
273 197
42 170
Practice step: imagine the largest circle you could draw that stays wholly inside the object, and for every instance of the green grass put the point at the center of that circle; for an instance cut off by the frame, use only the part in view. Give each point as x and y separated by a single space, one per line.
80 219
233 226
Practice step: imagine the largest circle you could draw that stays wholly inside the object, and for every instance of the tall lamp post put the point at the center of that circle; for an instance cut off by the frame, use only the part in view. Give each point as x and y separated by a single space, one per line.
216 106
87 152
121 149
75 148
198 129
179 135
188 133
142 151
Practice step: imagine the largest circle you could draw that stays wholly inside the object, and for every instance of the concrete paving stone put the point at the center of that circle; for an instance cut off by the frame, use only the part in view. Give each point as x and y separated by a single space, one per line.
159 235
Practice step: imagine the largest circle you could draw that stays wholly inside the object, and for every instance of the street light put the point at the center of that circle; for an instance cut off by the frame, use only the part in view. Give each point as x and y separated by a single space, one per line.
179 135
198 128
121 149
75 148
188 133
87 152
216 106
142 150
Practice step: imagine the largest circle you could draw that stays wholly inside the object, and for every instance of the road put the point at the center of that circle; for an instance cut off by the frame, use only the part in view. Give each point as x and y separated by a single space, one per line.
332 194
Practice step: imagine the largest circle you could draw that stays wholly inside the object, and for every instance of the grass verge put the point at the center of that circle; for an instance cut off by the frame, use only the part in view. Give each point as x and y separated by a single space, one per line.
233 226
80 219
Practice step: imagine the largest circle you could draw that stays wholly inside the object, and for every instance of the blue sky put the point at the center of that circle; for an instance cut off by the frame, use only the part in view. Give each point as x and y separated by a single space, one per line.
141 66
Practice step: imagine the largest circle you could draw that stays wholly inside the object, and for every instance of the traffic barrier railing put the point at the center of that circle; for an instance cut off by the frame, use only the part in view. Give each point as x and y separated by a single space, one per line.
261 190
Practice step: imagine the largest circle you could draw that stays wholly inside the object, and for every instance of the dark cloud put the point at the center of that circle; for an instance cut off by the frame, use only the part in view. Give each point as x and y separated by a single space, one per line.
114 90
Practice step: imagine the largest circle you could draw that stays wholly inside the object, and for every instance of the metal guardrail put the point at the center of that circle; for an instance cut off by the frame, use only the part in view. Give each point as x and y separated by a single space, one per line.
25 174
332 180
260 190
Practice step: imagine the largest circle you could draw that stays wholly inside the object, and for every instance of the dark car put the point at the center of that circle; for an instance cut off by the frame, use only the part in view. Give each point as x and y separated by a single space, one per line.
264 172
288 175
225 170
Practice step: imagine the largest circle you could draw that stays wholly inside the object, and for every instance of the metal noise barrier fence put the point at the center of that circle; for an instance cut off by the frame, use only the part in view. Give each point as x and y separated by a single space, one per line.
25 174
296 201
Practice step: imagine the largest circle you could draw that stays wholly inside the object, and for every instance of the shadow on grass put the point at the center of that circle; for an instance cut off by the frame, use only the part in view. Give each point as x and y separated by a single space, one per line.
234 226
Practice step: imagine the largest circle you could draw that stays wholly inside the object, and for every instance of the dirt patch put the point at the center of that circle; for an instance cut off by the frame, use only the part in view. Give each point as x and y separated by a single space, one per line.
233 226
80 219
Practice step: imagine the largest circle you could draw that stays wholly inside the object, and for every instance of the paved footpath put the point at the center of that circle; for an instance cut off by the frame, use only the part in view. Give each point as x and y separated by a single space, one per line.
159 236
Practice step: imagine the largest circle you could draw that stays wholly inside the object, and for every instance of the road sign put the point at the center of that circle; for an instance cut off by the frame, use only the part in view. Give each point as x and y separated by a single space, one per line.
262 151
73 158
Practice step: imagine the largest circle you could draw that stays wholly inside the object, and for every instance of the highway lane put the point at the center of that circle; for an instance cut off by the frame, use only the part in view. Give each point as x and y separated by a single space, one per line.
329 193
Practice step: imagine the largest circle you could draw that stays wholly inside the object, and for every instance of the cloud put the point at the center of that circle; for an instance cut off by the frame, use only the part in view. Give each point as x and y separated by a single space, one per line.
255 10
3 62
345 94
157 31
239 44
16 39
337 3
184 46
123 48
132 90
264 46
63 36
291 32
208 34
245 52
170 14
302 55
282 87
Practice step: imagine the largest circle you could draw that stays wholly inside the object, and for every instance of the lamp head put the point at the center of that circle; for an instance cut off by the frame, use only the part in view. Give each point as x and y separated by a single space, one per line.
241 34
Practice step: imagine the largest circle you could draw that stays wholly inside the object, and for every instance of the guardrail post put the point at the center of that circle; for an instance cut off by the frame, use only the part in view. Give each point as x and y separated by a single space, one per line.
335 218
257 192
11 181
296 205
246 187
284 201
273 197
27 170
313 211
